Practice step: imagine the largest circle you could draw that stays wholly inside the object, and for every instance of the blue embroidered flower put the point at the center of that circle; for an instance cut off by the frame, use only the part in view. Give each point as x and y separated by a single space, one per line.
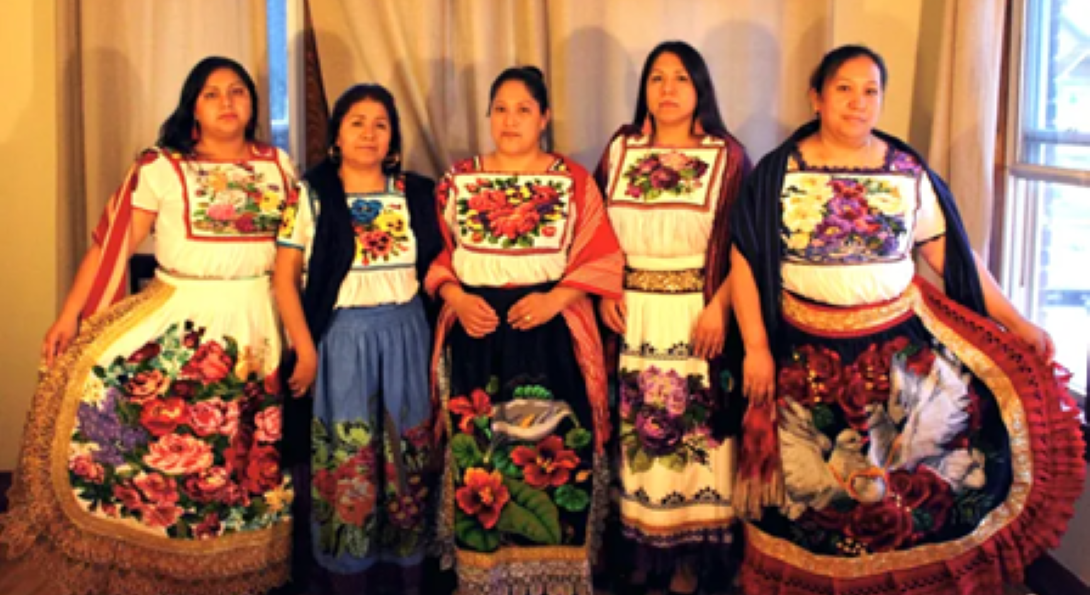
365 211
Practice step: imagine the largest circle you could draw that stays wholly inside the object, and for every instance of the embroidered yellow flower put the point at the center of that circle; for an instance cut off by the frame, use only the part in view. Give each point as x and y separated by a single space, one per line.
802 213
217 180
888 203
814 186
270 201
390 221
798 241
278 499
287 222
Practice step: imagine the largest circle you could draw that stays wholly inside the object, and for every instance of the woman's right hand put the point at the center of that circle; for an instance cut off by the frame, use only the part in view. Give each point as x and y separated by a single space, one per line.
476 316
302 377
759 375
59 337
614 313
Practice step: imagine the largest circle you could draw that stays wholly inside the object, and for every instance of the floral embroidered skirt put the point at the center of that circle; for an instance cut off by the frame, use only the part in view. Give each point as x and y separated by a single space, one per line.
523 489
150 458
370 444
676 468
924 451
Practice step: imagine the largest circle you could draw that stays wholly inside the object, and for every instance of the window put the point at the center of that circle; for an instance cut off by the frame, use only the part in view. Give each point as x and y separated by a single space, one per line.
1046 235
277 30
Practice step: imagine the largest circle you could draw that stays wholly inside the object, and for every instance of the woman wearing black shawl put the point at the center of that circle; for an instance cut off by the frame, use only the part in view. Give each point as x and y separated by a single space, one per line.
899 438
367 232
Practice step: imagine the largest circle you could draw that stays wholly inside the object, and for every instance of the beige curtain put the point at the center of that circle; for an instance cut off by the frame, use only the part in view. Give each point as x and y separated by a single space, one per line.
122 70
963 133
439 57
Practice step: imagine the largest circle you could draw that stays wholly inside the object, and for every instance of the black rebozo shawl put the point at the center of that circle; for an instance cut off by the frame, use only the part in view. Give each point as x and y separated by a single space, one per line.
331 259
755 231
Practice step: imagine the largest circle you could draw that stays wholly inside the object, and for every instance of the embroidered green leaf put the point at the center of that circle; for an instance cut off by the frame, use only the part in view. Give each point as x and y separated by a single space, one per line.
465 451
673 462
533 391
577 438
501 459
639 461
493 386
471 533
355 541
530 513
823 417
572 498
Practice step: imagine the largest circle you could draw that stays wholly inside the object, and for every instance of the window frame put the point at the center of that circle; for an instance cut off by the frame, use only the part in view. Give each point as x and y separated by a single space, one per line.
1020 239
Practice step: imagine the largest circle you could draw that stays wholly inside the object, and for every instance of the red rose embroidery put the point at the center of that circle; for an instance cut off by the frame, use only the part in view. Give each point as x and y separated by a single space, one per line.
209 364
179 455
882 526
263 470
146 386
162 417
145 353
156 488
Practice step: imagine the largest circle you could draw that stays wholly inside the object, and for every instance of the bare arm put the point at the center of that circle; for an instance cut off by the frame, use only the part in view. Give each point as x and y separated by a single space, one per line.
287 281
759 371
997 304
64 328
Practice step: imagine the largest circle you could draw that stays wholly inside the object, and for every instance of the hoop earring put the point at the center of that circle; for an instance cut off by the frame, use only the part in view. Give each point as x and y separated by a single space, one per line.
334 153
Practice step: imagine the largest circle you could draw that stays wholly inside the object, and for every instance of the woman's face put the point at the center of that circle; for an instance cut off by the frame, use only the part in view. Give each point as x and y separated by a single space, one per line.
365 134
670 94
517 120
224 106
851 100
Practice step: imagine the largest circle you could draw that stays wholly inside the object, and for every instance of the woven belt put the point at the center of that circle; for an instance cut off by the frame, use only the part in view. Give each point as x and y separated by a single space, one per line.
686 281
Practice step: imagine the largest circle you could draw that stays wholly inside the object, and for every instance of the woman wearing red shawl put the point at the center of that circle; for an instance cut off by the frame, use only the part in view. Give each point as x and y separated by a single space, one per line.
522 380
900 438
150 460
670 179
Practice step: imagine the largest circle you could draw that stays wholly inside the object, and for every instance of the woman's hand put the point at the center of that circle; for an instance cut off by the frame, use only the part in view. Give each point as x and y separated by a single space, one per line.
59 337
302 377
614 313
709 333
759 375
475 315
533 310
1037 337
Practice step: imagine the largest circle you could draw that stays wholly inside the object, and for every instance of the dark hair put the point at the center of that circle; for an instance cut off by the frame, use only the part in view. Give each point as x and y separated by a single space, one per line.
531 76
832 62
707 107
177 131
373 92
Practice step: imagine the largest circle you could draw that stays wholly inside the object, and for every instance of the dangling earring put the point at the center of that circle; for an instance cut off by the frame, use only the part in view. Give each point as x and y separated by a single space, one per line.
391 160
195 134
334 154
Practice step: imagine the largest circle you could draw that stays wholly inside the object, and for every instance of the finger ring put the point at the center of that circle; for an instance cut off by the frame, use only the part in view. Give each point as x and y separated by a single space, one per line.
527 318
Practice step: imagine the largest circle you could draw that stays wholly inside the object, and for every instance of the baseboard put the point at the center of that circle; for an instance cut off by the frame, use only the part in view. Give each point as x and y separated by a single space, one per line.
5 484
1047 576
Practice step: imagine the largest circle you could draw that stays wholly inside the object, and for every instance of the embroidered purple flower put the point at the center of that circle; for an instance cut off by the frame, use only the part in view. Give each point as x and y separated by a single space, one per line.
631 400
659 433
833 230
664 178
658 387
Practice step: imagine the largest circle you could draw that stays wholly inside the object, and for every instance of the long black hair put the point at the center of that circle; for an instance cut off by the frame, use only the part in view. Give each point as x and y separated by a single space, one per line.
351 97
531 76
832 62
177 131
707 107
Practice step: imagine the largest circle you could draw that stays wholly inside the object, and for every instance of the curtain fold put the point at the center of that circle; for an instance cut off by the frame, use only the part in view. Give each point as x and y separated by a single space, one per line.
123 72
964 129
438 58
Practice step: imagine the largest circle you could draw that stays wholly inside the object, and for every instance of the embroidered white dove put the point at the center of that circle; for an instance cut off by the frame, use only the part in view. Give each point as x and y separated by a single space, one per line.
935 407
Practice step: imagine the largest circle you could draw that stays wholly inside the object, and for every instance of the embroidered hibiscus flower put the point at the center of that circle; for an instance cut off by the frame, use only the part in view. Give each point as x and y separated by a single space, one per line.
483 496
546 465
478 404
376 243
